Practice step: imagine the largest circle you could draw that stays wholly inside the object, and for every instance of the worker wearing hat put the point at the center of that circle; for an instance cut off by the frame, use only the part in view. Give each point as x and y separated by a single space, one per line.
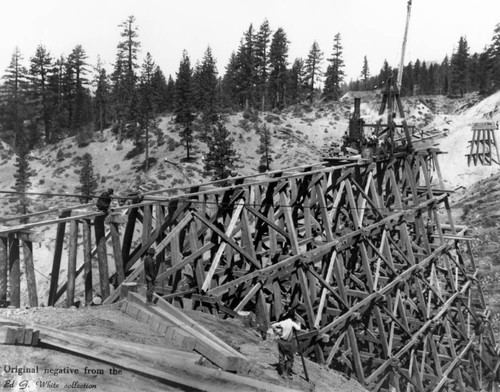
151 271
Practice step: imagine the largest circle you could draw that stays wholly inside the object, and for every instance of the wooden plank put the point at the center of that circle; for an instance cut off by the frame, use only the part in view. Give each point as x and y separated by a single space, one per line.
4 267
171 367
102 256
222 246
117 252
204 345
56 263
14 273
72 248
129 234
29 269
87 261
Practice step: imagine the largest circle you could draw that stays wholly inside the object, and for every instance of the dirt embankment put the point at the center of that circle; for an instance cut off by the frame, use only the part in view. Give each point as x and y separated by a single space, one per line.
109 321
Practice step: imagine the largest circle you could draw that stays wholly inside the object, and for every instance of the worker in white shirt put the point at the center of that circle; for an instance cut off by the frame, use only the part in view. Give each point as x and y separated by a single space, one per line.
287 345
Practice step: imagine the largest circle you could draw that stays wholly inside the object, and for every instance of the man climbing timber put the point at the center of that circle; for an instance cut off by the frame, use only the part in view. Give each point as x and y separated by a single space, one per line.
104 200
151 271
287 345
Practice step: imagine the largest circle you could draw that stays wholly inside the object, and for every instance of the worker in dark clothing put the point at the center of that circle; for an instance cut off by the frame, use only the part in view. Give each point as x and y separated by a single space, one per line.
287 345
151 270
104 200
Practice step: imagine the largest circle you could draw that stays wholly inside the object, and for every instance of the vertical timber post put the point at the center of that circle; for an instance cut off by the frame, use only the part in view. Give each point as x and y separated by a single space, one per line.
102 257
87 260
73 241
30 273
14 272
56 264
128 235
117 252
4 267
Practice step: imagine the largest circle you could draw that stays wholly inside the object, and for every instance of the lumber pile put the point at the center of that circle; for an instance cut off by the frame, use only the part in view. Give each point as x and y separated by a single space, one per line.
185 333
12 332
169 366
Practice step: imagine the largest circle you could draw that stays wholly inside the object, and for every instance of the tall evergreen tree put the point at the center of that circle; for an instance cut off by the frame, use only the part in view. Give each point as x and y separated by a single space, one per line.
262 61
365 73
246 75
88 181
313 66
494 58
22 175
278 57
40 70
296 85
13 98
221 156
334 75
160 96
146 112
76 79
124 76
459 76
101 95
184 113
265 149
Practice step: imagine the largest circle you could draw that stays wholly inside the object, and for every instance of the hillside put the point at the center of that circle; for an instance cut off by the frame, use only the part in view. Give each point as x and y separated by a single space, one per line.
299 137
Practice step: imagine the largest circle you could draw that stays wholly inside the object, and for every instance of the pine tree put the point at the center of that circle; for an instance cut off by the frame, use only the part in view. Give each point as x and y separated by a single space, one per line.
334 75
159 90
40 70
296 85
246 75
459 75
88 181
146 110
278 76
22 175
208 83
493 55
124 76
101 95
184 101
265 149
365 73
221 156
262 61
170 94
230 97
313 66
13 99
76 76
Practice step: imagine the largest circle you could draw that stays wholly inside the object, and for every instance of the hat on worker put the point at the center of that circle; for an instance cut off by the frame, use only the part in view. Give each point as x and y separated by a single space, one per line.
151 251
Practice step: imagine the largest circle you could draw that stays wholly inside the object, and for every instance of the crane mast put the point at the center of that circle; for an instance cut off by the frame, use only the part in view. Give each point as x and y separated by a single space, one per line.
403 49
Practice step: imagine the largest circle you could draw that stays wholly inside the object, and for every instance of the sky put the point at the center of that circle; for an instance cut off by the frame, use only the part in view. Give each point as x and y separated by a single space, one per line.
368 28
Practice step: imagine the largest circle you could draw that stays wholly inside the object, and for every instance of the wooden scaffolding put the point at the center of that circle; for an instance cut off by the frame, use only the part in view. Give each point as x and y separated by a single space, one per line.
367 253
483 146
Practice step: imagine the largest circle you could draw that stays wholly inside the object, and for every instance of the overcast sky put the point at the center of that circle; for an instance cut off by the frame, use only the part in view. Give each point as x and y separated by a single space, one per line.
166 27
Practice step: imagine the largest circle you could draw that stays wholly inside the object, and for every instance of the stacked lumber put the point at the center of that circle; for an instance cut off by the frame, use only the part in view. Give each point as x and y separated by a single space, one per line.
184 332
12 332
171 367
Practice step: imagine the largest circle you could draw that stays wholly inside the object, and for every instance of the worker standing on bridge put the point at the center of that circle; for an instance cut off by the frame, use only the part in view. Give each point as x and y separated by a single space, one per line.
151 271
287 345
104 200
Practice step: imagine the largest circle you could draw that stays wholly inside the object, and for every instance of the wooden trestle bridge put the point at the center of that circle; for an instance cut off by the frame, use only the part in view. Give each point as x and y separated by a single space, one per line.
366 252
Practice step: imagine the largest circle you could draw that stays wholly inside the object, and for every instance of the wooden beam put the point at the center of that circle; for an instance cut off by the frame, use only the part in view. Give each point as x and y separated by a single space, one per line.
102 256
14 273
56 263
29 269
4 267
117 252
72 248
87 261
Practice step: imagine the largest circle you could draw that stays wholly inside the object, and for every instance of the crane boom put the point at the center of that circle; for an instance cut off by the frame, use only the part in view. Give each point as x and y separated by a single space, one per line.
403 49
